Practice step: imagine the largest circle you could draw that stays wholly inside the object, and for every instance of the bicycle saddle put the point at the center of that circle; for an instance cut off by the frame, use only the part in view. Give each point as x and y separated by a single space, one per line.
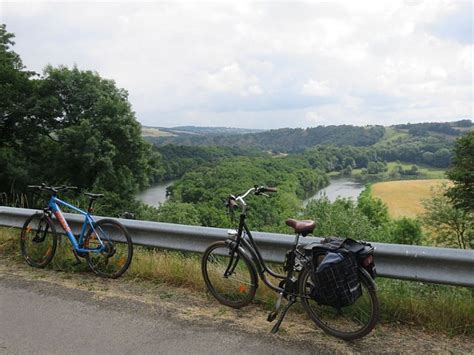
304 227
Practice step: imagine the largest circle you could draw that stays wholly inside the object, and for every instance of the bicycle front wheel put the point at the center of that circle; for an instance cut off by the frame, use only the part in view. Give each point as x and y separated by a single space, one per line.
117 256
348 323
229 275
38 240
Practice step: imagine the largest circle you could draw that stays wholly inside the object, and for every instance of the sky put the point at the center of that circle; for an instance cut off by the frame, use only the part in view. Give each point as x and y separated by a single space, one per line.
263 64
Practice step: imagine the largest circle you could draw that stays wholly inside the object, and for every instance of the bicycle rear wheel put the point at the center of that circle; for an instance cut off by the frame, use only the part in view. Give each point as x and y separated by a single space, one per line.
117 256
348 323
38 240
229 275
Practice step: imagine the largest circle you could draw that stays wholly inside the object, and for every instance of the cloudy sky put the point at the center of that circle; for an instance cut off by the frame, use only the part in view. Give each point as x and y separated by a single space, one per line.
266 64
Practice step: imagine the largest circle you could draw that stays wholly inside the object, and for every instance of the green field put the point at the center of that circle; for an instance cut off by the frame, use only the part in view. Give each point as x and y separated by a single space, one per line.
155 132
392 135
425 172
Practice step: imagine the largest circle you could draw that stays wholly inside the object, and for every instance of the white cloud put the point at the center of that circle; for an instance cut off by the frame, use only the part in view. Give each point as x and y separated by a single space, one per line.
233 79
317 88
262 64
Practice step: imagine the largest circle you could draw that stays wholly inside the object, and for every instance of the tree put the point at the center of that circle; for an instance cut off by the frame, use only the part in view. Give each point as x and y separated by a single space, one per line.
15 90
178 212
413 170
449 225
69 127
462 173
441 158
373 208
406 231
22 121
100 133
343 218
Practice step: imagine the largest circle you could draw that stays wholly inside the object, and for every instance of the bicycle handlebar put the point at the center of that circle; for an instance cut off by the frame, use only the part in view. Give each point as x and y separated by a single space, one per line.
264 189
54 189
257 190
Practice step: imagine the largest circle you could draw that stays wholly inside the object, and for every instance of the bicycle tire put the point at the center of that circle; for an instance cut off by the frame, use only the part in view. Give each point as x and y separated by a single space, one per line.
119 248
239 288
38 240
362 315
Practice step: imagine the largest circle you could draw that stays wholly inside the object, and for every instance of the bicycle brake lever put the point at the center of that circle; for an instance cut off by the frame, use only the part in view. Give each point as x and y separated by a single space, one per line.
264 194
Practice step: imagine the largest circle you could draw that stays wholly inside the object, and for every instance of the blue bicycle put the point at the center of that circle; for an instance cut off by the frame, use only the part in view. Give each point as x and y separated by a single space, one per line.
105 244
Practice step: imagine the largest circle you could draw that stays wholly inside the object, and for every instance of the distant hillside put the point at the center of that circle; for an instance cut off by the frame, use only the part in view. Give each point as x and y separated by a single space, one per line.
284 139
299 139
148 131
429 128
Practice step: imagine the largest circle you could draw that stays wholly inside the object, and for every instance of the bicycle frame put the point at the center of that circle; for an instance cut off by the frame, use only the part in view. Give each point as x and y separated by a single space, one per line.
251 247
53 205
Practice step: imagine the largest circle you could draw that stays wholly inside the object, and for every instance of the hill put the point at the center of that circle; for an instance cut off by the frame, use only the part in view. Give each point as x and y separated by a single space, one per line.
186 131
298 139
284 139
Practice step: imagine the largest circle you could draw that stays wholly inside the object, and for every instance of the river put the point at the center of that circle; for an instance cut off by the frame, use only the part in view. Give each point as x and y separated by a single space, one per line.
155 195
341 187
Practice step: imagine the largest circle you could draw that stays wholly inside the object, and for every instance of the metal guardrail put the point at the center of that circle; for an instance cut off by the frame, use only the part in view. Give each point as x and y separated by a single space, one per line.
407 262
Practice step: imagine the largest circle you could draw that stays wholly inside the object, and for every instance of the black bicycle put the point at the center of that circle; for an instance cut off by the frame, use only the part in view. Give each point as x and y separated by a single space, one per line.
231 271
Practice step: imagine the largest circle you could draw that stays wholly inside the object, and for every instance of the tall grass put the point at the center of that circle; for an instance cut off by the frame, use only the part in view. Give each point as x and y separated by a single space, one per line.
441 308
449 309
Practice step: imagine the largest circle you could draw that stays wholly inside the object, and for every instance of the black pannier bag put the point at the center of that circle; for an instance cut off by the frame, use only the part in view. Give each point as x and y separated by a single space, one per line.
335 271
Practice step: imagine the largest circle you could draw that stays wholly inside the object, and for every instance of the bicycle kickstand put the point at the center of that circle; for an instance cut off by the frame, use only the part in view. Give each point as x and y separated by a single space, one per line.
273 314
291 301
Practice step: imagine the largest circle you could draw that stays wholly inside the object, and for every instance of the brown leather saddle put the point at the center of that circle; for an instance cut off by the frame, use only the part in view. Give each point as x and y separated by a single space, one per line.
304 227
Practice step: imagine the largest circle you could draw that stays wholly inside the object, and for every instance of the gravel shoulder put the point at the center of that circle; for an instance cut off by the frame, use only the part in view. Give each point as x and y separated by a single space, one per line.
159 315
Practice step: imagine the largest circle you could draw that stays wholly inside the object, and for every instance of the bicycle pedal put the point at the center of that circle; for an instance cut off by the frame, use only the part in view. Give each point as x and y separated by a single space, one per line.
271 316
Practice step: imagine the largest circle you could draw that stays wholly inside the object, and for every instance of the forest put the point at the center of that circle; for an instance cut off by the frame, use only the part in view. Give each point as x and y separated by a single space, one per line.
70 126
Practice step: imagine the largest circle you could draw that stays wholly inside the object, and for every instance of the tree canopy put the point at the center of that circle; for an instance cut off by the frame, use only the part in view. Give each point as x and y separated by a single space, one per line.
68 126
462 173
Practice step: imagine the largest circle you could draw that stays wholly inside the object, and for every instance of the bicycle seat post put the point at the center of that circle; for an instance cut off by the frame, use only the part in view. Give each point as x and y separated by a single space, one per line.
297 239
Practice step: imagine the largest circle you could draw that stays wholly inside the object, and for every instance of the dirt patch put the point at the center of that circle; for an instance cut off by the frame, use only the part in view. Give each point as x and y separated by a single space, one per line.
201 308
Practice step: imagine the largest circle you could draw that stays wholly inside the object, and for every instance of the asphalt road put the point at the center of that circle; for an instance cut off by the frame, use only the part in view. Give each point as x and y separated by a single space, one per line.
40 318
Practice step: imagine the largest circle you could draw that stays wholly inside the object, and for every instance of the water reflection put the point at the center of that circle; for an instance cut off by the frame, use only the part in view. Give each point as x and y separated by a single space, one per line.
341 187
155 195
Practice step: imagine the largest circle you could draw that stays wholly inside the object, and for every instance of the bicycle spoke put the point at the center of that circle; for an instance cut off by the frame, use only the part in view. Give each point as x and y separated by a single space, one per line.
114 256
38 240
237 287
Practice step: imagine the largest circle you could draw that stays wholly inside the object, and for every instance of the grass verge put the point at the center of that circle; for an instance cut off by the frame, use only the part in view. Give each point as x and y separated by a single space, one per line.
445 309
